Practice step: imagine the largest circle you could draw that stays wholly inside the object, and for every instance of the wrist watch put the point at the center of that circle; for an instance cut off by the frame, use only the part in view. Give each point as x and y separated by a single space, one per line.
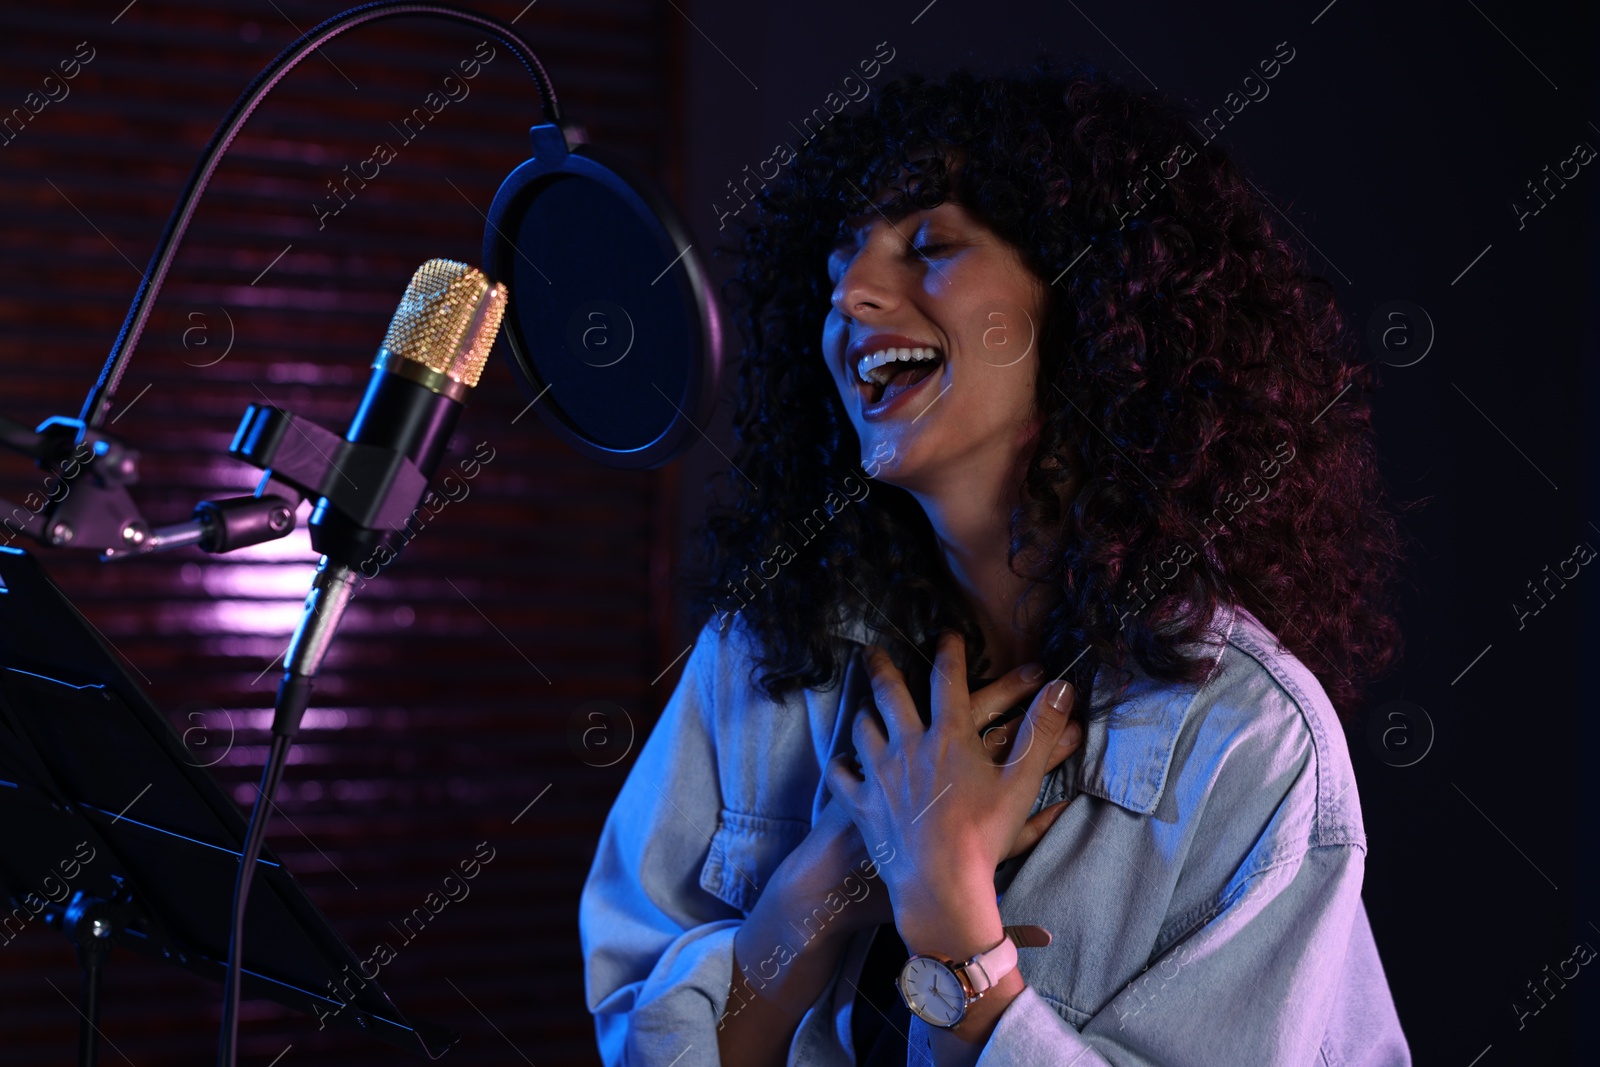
938 989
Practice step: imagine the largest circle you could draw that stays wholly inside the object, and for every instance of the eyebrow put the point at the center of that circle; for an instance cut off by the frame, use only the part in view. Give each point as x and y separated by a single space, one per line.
894 224
849 227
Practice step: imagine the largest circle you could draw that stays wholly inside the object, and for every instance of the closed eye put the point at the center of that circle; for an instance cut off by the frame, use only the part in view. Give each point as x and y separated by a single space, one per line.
935 250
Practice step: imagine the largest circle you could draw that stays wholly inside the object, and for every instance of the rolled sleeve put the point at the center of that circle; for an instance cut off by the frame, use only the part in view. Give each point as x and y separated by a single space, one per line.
658 949
1255 984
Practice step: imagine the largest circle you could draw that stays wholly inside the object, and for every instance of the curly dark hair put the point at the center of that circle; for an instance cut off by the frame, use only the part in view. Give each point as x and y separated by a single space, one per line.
1206 431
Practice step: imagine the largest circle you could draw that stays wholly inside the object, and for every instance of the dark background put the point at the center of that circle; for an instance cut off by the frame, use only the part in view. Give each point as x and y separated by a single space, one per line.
1395 142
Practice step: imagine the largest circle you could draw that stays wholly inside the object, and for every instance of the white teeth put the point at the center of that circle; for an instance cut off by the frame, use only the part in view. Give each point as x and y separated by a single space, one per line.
869 365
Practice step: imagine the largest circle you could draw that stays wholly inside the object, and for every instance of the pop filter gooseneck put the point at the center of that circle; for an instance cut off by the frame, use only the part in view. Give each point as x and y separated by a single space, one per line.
611 325
98 403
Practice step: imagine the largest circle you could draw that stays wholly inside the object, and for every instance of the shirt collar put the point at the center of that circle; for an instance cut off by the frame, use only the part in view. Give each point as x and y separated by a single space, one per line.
1125 758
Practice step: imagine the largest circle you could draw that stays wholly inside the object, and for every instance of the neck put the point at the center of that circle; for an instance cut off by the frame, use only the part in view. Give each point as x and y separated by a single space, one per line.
973 529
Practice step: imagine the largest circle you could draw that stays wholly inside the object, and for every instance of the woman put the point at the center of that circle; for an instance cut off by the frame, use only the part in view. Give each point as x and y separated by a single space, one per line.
1039 413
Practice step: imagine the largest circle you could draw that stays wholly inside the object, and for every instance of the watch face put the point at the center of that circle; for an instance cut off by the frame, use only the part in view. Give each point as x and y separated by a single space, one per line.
932 991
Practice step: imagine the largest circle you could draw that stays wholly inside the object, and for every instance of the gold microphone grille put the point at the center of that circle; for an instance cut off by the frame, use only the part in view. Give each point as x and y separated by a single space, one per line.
447 321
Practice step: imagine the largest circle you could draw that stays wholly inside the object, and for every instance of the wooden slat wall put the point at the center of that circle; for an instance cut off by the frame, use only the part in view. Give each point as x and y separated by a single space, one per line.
445 707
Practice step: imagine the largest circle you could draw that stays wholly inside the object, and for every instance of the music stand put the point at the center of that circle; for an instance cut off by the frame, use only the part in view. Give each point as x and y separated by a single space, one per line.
115 834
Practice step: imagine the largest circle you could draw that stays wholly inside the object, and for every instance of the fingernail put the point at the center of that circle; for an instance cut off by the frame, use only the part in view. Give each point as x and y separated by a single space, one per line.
1057 697
1073 734
1031 672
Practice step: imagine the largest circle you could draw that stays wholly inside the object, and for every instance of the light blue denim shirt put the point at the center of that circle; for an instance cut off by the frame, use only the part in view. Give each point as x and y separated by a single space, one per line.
1203 888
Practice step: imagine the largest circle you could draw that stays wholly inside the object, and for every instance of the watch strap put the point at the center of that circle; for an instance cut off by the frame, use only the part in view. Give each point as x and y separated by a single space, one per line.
1028 936
986 968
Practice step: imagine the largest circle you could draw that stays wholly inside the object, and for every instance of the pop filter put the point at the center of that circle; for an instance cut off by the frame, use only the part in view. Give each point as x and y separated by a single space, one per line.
611 325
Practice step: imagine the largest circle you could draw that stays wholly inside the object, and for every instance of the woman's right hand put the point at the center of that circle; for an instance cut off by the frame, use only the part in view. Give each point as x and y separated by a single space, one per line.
832 874
790 944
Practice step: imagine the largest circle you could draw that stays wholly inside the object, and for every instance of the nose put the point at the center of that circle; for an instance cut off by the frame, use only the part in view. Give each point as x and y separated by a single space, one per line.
867 284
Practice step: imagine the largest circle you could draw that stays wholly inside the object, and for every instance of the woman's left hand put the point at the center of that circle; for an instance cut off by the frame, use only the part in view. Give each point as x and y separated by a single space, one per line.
936 794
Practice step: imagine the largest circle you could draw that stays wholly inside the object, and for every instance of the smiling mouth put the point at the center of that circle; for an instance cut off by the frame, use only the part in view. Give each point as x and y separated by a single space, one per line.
885 374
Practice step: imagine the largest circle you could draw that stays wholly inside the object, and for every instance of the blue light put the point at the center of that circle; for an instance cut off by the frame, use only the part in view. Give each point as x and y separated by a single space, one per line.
58 681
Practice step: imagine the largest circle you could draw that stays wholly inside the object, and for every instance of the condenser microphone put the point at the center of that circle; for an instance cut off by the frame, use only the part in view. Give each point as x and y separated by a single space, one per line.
432 356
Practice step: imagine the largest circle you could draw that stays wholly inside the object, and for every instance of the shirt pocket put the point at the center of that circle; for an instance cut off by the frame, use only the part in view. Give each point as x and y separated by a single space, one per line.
745 850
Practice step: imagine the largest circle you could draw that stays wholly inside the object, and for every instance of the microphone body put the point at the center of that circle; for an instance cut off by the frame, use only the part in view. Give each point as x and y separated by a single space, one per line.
407 418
